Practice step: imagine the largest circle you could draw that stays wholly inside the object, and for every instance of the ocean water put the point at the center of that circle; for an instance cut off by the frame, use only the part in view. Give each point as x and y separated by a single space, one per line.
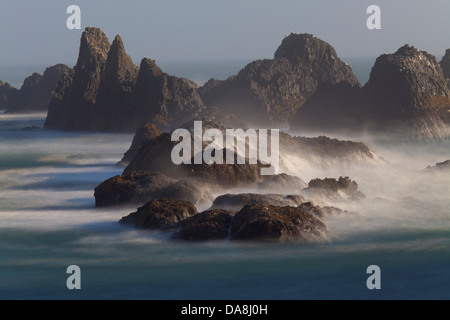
48 222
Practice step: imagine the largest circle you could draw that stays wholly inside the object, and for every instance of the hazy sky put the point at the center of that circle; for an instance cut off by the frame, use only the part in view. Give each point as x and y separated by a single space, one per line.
34 32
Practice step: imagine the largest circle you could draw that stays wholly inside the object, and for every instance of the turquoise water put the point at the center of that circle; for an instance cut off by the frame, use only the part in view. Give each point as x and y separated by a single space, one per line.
48 221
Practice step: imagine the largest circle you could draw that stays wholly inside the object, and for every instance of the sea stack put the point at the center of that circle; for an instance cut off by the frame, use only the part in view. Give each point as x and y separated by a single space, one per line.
406 93
272 90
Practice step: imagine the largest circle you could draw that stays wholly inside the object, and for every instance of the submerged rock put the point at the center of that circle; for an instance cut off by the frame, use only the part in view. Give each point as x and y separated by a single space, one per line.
157 214
208 225
259 222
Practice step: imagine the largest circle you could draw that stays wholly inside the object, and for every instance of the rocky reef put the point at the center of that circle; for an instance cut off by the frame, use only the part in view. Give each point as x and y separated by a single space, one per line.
252 223
342 188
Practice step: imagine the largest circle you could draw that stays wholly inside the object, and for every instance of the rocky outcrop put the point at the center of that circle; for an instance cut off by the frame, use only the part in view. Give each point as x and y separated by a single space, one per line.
208 225
259 222
164 100
323 212
157 214
115 91
140 187
36 91
445 64
406 92
74 103
144 134
332 188
235 202
107 92
267 91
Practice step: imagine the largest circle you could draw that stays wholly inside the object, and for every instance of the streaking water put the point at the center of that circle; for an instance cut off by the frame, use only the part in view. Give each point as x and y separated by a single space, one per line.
48 222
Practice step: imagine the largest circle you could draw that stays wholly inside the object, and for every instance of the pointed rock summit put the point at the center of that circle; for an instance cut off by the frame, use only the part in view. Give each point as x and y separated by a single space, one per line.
268 91
108 92
75 98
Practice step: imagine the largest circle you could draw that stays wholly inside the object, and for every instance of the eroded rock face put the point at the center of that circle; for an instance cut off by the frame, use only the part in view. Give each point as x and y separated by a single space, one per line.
406 93
267 91
235 202
36 91
140 187
259 222
208 225
157 214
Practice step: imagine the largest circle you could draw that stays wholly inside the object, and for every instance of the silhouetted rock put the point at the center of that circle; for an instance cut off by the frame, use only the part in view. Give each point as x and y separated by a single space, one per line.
144 134
259 222
208 225
140 187
273 90
6 90
445 64
235 202
406 92
157 214
332 188
36 91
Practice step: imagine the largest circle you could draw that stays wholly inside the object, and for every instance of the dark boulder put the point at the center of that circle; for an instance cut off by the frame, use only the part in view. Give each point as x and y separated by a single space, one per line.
140 187
208 225
235 202
6 90
157 214
332 188
259 222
